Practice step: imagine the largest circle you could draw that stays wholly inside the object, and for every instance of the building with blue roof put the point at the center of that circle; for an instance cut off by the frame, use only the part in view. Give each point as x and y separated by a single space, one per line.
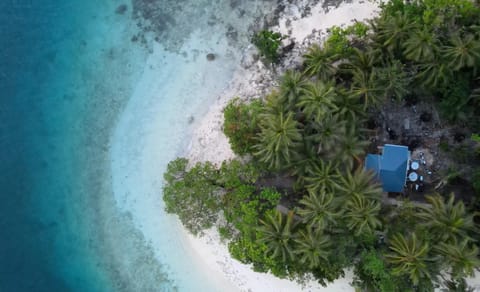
390 167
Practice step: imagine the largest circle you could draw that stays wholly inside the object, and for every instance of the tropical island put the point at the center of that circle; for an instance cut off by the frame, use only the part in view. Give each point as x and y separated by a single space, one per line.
365 157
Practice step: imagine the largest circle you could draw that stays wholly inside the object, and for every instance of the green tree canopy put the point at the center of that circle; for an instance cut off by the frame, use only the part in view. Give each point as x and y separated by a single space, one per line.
319 210
409 256
460 257
318 62
366 87
317 100
422 45
322 177
241 124
194 195
445 219
359 183
361 215
277 231
278 139
462 52
268 44
312 247
292 85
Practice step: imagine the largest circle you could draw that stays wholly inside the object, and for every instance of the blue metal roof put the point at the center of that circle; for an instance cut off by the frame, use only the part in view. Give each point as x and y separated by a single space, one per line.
372 162
390 167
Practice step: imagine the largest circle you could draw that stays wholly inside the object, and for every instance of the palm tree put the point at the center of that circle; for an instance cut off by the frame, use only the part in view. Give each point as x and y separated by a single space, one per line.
312 247
434 74
403 218
362 61
275 104
350 148
319 210
409 256
422 45
277 233
461 257
291 85
318 63
359 183
279 136
348 106
303 163
394 80
462 52
317 99
393 31
366 87
446 220
361 215
326 133
322 177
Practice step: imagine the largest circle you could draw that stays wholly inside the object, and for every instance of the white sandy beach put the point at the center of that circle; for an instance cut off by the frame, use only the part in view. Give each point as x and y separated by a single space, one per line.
152 131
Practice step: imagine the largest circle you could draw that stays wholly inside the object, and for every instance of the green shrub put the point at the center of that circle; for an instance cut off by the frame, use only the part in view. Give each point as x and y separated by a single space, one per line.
337 43
268 43
414 11
225 232
234 174
371 273
270 198
463 11
239 207
248 251
241 124
359 29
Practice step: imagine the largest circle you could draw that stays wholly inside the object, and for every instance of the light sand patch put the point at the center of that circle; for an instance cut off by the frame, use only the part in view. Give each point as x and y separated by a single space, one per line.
320 20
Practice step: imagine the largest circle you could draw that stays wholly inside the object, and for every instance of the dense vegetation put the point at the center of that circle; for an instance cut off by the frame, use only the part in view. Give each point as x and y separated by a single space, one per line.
268 44
304 144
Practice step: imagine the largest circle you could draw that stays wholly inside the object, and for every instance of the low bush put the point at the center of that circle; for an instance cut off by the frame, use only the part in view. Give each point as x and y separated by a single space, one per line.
268 44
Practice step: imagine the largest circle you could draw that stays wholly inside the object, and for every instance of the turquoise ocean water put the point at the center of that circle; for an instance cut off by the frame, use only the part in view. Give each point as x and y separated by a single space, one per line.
49 147
67 71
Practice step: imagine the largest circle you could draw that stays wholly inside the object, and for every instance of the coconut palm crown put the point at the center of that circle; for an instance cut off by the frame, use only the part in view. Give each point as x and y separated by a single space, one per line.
277 232
445 219
279 136
409 256
319 210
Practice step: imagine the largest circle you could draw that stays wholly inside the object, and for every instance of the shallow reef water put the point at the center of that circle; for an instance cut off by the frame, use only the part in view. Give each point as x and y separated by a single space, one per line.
68 72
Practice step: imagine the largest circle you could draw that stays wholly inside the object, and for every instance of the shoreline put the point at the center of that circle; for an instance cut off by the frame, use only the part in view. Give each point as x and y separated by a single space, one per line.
208 143
253 79
175 86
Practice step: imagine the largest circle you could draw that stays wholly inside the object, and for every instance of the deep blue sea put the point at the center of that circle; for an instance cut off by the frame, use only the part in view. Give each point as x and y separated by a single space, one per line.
47 116
68 71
